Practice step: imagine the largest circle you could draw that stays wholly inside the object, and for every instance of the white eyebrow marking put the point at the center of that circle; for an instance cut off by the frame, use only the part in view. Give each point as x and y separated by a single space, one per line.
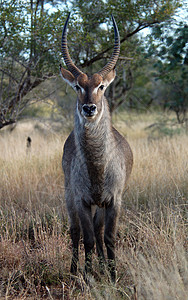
82 89
96 89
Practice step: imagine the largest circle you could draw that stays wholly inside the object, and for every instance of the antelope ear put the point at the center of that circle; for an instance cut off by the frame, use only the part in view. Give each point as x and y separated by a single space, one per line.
67 76
109 77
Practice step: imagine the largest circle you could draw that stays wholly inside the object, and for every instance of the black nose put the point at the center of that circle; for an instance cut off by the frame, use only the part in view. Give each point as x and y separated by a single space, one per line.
89 109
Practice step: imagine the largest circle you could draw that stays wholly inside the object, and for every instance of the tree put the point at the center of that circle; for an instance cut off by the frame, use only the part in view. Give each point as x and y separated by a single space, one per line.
132 17
27 53
171 49
30 43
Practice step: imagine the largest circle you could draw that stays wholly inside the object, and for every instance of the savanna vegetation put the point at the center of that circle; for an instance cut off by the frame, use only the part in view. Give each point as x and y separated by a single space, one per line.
35 247
148 101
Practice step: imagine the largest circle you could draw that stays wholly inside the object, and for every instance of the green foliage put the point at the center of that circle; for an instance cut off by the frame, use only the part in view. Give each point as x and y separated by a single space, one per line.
169 46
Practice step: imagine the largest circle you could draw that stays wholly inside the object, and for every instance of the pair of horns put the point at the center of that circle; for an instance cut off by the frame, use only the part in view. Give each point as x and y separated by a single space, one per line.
106 69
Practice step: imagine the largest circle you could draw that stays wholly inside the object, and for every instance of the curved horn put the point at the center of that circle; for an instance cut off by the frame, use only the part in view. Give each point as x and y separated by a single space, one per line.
68 61
111 64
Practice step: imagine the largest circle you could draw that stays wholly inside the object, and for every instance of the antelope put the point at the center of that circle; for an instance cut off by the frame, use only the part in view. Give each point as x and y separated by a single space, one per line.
97 161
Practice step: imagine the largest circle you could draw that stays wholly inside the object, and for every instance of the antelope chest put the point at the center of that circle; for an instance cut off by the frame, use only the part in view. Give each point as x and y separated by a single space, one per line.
96 184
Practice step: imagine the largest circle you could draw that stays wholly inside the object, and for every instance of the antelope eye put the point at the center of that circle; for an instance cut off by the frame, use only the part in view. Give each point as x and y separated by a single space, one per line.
101 87
77 88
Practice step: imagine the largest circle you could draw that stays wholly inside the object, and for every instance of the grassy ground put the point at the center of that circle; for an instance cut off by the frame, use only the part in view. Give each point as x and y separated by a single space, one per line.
35 247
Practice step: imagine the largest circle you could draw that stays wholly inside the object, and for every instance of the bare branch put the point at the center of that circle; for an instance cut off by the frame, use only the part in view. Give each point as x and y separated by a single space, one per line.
99 56
8 74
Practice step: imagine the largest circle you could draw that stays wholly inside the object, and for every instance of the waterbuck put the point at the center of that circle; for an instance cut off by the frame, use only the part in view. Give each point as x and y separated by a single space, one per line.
97 161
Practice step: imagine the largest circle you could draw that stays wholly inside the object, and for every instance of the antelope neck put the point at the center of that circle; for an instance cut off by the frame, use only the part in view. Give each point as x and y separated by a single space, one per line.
94 141
94 136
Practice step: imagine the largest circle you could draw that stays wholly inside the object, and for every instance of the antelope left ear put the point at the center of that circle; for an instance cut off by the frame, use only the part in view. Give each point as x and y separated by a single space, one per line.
67 76
109 77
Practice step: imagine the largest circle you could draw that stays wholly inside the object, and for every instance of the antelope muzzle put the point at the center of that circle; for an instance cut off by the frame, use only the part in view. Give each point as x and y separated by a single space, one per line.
89 110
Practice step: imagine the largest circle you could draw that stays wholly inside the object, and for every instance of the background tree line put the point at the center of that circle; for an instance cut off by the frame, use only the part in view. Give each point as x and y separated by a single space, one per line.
152 70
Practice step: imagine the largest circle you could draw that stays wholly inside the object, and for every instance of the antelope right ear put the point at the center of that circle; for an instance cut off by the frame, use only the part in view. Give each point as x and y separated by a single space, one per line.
109 77
67 76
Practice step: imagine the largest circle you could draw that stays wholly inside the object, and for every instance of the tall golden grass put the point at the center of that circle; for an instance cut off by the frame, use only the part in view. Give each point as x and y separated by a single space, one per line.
35 247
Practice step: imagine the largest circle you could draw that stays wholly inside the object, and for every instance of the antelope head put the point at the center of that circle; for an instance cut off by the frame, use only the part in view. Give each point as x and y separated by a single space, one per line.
90 90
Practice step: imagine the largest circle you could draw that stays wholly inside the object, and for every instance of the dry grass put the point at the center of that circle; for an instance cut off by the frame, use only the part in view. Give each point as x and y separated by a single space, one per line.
161 172
35 248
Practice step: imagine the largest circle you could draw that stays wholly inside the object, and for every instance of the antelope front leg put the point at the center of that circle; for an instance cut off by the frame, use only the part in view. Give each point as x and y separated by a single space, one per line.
111 217
75 236
98 223
85 216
